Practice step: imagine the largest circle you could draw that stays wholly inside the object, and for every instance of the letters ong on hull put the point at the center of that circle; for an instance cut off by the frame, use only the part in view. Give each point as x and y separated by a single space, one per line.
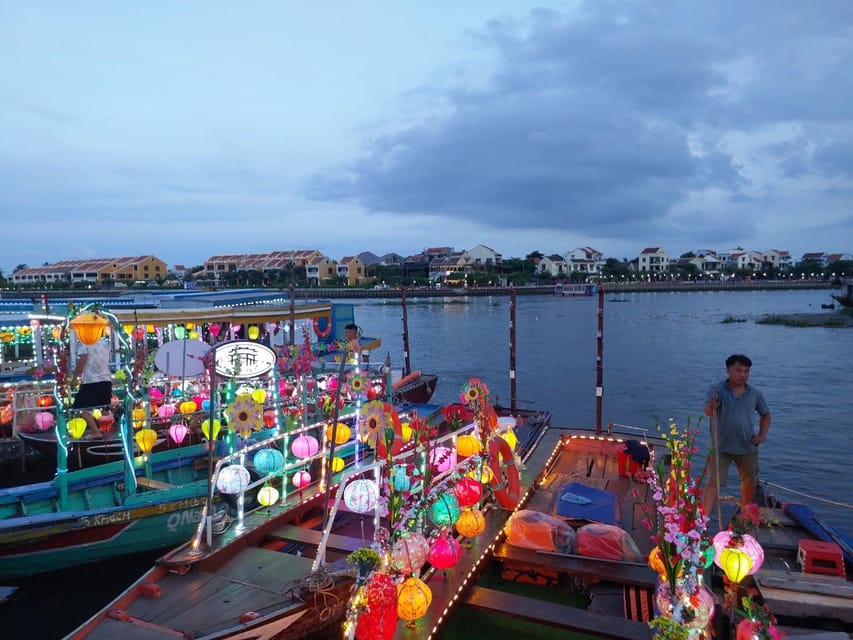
243 359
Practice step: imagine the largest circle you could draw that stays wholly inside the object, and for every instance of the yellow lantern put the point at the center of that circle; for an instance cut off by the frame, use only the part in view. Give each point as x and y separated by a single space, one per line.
253 332
471 523
138 418
150 328
89 327
96 413
187 406
343 433
467 445
485 477
205 429
413 600
56 332
193 335
405 432
735 563
259 395
511 439
145 439
128 328
337 464
190 326
76 427
268 495
656 562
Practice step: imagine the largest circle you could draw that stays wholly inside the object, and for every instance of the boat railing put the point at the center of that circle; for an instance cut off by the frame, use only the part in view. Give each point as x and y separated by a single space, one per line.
615 429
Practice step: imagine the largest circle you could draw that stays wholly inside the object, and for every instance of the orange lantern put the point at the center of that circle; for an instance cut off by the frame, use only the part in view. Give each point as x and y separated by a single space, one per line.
145 439
656 562
44 401
187 406
76 427
138 418
56 332
413 600
342 435
467 445
471 523
89 327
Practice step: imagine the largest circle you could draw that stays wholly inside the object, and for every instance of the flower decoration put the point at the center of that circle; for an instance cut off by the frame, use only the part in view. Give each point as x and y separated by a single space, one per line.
758 623
373 421
244 415
475 393
357 384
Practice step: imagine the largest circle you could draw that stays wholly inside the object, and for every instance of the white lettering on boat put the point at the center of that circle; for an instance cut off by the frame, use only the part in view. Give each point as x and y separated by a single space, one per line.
182 519
116 517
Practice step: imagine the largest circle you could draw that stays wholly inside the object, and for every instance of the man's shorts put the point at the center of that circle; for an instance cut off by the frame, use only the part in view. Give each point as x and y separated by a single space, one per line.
93 394
747 467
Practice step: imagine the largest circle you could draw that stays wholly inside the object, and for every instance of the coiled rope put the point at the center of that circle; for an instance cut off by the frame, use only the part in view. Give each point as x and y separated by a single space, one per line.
843 505
320 583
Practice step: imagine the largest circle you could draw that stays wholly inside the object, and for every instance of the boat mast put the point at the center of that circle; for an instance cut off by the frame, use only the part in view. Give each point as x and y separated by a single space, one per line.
407 364
512 380
599 362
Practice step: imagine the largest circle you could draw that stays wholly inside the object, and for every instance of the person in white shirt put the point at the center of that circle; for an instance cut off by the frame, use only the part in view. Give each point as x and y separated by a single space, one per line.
96 386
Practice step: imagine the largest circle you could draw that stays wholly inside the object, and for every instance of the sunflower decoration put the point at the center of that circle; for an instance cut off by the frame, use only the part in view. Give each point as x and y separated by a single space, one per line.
373 421
475 394
245 415
358 384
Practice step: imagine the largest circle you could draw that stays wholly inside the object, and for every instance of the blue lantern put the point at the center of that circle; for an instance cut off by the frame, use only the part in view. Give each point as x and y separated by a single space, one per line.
445 511
268 461
399 479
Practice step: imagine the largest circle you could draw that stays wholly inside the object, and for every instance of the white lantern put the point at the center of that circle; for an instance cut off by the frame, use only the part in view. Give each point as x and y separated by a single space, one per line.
361 495
233 479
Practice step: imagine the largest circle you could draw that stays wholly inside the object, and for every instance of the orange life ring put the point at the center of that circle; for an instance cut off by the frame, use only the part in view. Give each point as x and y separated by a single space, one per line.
406 379
397 445
327 331
505 480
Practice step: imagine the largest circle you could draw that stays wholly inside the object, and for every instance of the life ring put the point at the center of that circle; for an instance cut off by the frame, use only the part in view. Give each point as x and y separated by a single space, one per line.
505 480
325 333
397 445
406 379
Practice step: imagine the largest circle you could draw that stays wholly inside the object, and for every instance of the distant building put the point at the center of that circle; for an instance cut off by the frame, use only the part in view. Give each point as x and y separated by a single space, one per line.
319 270
553 265
217 265
352 270
816 256
100 271
653 260
481 257
585 260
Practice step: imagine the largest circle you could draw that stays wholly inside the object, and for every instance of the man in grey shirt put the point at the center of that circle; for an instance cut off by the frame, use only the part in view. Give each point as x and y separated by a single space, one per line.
734 404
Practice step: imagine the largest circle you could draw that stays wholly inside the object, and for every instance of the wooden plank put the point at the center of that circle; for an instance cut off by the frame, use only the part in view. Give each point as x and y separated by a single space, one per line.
312 537
267 569
805 604
151 483
556 615
636 574
806 582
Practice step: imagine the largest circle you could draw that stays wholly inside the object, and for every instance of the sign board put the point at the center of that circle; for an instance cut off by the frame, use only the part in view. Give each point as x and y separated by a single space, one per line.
243 359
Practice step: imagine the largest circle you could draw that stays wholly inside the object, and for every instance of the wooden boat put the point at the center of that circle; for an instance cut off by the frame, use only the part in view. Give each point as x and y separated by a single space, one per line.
414 388
575 290
846 298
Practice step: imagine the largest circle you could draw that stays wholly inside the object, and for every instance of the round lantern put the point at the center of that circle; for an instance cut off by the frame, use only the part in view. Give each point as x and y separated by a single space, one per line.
342 434
56 332
445 510
443 459
206 430
106 421
378 621
409 552
268 495
259 395
269 418
361 495
138 416
155 394
413 599
44 420
233 479
187 406
735 563
145 439
44 401
268 461
304 446
214 329
444 552
656 562
468 492
76 427
177 432
89 327
400 478
511 439
467 445
746 542
337 464
253 332
484 475
301 479
166 411
471 523
180 333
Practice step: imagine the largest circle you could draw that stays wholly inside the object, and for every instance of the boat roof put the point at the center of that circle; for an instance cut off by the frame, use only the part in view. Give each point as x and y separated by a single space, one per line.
234 315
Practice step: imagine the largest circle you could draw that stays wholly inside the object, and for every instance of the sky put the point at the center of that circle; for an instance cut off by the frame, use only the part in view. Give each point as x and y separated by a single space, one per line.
195 128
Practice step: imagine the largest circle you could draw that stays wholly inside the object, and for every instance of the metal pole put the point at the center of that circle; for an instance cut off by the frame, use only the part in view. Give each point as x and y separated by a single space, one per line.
599 362
407 364
292 338
512 376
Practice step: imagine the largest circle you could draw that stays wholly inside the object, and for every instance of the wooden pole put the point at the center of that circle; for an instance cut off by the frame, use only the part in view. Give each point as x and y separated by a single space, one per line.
292 338
599 362
512 376
407 364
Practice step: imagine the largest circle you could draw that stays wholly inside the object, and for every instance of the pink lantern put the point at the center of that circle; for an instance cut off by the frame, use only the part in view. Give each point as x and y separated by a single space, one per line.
301 479
304 446
166 411
44 420
331 384
409 552
199 399
747 543
310 383
178 432
468 492
214 329
444 552
443 459
155 393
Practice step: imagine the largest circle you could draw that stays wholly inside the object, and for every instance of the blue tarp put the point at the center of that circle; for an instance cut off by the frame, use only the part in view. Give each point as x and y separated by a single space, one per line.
808 520
601 507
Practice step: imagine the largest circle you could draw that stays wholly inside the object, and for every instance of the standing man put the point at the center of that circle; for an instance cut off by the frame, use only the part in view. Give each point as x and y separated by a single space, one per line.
353 344
96 386
732 405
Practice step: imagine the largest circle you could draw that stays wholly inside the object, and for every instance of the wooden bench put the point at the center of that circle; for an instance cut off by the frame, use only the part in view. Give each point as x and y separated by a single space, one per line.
151 483
635 574
313 537
556 615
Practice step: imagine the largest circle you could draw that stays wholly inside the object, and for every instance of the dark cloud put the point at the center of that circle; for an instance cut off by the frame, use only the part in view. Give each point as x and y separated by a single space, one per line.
604 121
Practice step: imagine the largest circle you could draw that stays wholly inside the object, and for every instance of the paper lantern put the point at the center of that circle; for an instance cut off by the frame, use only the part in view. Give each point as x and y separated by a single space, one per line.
270 418
253 332
413 599
166 411
199 399
139 334
445 510
467 445
145 439
259 395
656 562
405 432
735 563
443 459
361 495
468 492
187 406
205 429
138 416
155 394
400 479
484 475
409 552
180 333
267 496
301 479
233 479
89 327
56 332
511 439
205 405
177 432
44 420
342 434
44 401
193 335
378 621
214 329
268 461
338 464
444 552
76 427
471 523
106 421
746 542
304 446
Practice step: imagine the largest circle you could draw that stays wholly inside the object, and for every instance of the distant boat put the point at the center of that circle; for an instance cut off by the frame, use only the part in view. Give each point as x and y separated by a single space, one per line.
845 300
575 290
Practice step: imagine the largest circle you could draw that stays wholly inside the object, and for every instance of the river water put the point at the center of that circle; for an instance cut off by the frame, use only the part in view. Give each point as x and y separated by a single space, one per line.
661 352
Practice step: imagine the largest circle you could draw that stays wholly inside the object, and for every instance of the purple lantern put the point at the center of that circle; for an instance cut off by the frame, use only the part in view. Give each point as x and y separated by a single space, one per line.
44 420
166 411
177 432
304 446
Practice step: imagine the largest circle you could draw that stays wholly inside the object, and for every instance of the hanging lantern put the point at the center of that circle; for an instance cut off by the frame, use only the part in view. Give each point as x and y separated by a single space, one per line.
138 416
400 479
140 334
471 523
44 420
127 328
378 621
656 562
338 464
150 328
166 411
467 445
193 335
745 542
214 329
301 479
735 563
253 332
177 432
442 458
106 421
511 438
56 332
145 439
180 332
361 495
268 496
205 429
187 406
233 479
409 552
199 399
342 434
413 600
483 475
268 461
44 401
444 552
259 395
304 446
76 427
468 492
445 510
405 432
89 327
269 418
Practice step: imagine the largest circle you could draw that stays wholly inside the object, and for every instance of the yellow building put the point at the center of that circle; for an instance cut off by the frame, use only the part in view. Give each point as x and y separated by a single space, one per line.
127 270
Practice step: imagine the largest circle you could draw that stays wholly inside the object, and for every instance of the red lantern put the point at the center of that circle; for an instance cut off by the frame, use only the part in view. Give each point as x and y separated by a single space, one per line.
468 492
379 620
444 552
269 418
106 421
44 401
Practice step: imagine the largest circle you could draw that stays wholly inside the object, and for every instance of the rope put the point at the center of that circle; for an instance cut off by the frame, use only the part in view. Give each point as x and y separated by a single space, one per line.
843 505
320 584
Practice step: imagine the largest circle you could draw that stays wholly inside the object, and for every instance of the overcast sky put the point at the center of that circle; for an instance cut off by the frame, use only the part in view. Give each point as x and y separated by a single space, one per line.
188 129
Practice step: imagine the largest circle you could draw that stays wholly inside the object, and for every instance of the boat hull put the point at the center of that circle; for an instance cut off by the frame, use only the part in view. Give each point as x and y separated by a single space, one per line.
418 390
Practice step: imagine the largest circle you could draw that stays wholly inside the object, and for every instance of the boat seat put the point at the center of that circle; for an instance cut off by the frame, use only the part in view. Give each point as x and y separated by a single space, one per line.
313 537
28 492
151 483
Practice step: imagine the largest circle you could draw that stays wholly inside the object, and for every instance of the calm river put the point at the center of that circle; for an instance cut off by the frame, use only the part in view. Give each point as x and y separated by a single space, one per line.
661 352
